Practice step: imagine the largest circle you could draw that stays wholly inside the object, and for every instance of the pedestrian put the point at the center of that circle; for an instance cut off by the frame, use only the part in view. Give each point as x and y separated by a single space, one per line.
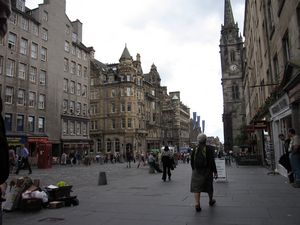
294 155
129 157
284 159
72 158
63 159
139 158
167 162
24 163
12 159
98 158
203 171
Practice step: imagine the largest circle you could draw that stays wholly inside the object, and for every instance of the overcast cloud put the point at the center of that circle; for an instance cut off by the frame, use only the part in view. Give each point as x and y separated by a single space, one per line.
181 37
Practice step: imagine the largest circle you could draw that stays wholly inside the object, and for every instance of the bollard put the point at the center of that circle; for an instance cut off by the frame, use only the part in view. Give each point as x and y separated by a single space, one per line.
102 178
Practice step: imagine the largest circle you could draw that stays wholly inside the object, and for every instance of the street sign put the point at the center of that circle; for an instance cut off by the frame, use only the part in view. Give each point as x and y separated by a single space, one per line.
221 169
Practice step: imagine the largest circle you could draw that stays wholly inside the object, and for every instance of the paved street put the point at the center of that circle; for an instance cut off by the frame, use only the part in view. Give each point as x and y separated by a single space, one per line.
135 197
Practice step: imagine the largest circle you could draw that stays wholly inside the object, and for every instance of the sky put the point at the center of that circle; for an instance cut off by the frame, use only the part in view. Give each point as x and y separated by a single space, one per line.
181 37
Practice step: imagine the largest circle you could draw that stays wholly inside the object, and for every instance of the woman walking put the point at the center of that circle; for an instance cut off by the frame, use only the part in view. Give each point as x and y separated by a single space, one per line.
203 171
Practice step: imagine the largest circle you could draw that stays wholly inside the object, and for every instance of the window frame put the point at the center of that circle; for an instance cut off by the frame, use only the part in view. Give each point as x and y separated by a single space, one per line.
22 71
31 99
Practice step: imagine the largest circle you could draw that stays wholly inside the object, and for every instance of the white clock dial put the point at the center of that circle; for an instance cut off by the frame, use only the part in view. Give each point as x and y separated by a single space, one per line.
233 67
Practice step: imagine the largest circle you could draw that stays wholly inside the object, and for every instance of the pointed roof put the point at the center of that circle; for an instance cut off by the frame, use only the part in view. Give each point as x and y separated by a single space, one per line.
153 67
228 15
125 54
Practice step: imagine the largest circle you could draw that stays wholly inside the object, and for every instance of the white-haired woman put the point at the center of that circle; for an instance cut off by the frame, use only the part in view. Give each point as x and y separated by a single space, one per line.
203 171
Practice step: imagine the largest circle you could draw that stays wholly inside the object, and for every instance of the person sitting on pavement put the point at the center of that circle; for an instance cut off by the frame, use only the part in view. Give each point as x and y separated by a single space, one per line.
153 164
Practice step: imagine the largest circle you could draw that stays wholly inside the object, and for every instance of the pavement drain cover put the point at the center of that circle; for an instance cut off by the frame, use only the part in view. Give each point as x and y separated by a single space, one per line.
51 219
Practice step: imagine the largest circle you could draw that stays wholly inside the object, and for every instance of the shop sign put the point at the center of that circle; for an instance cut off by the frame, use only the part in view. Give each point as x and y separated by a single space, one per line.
260 125
221 170
37 139
279 106
16 140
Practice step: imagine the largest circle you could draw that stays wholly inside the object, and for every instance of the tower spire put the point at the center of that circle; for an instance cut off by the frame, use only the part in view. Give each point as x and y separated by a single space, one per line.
228 15
125 55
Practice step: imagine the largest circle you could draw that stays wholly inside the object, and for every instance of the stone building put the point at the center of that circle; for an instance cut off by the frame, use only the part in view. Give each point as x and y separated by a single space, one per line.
231 51
272 69
153 109
131 111
118 106
176 120
44 78
195 129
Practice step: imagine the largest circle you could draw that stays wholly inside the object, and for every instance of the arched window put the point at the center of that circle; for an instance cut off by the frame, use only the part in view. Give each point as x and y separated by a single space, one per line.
235 92
108 145
98 145
117 145
232 56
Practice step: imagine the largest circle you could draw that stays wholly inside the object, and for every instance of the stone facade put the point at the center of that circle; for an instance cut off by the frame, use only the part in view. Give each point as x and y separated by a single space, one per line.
131 111
231 51
45 78
272 74
57 94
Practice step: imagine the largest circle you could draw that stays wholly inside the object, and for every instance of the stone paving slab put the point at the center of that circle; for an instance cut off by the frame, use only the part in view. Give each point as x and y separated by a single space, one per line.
135 197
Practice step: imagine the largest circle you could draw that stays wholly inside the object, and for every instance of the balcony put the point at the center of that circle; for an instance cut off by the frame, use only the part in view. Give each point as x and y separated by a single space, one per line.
149 96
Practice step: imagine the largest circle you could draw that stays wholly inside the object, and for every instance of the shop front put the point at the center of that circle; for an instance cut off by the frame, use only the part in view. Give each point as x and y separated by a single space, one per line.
81 146
16 142
41 151
281 120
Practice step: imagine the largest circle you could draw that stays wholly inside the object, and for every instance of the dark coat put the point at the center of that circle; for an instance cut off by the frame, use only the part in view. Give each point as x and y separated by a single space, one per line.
5 11
4 158
202 179
211 165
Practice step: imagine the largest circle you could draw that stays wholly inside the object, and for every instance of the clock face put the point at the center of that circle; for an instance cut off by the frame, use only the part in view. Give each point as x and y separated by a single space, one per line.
233 67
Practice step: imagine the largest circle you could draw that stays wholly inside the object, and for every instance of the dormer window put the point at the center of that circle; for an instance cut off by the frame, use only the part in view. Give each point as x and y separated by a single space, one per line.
45 15
74 37
20 4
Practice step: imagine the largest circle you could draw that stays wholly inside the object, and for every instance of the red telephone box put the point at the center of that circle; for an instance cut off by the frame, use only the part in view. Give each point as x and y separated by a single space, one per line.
44 155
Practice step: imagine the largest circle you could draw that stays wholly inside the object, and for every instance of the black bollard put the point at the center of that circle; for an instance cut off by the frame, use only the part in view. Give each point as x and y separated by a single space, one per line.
102 178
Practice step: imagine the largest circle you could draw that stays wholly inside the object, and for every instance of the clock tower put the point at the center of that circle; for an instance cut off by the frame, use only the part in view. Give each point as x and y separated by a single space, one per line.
231 51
